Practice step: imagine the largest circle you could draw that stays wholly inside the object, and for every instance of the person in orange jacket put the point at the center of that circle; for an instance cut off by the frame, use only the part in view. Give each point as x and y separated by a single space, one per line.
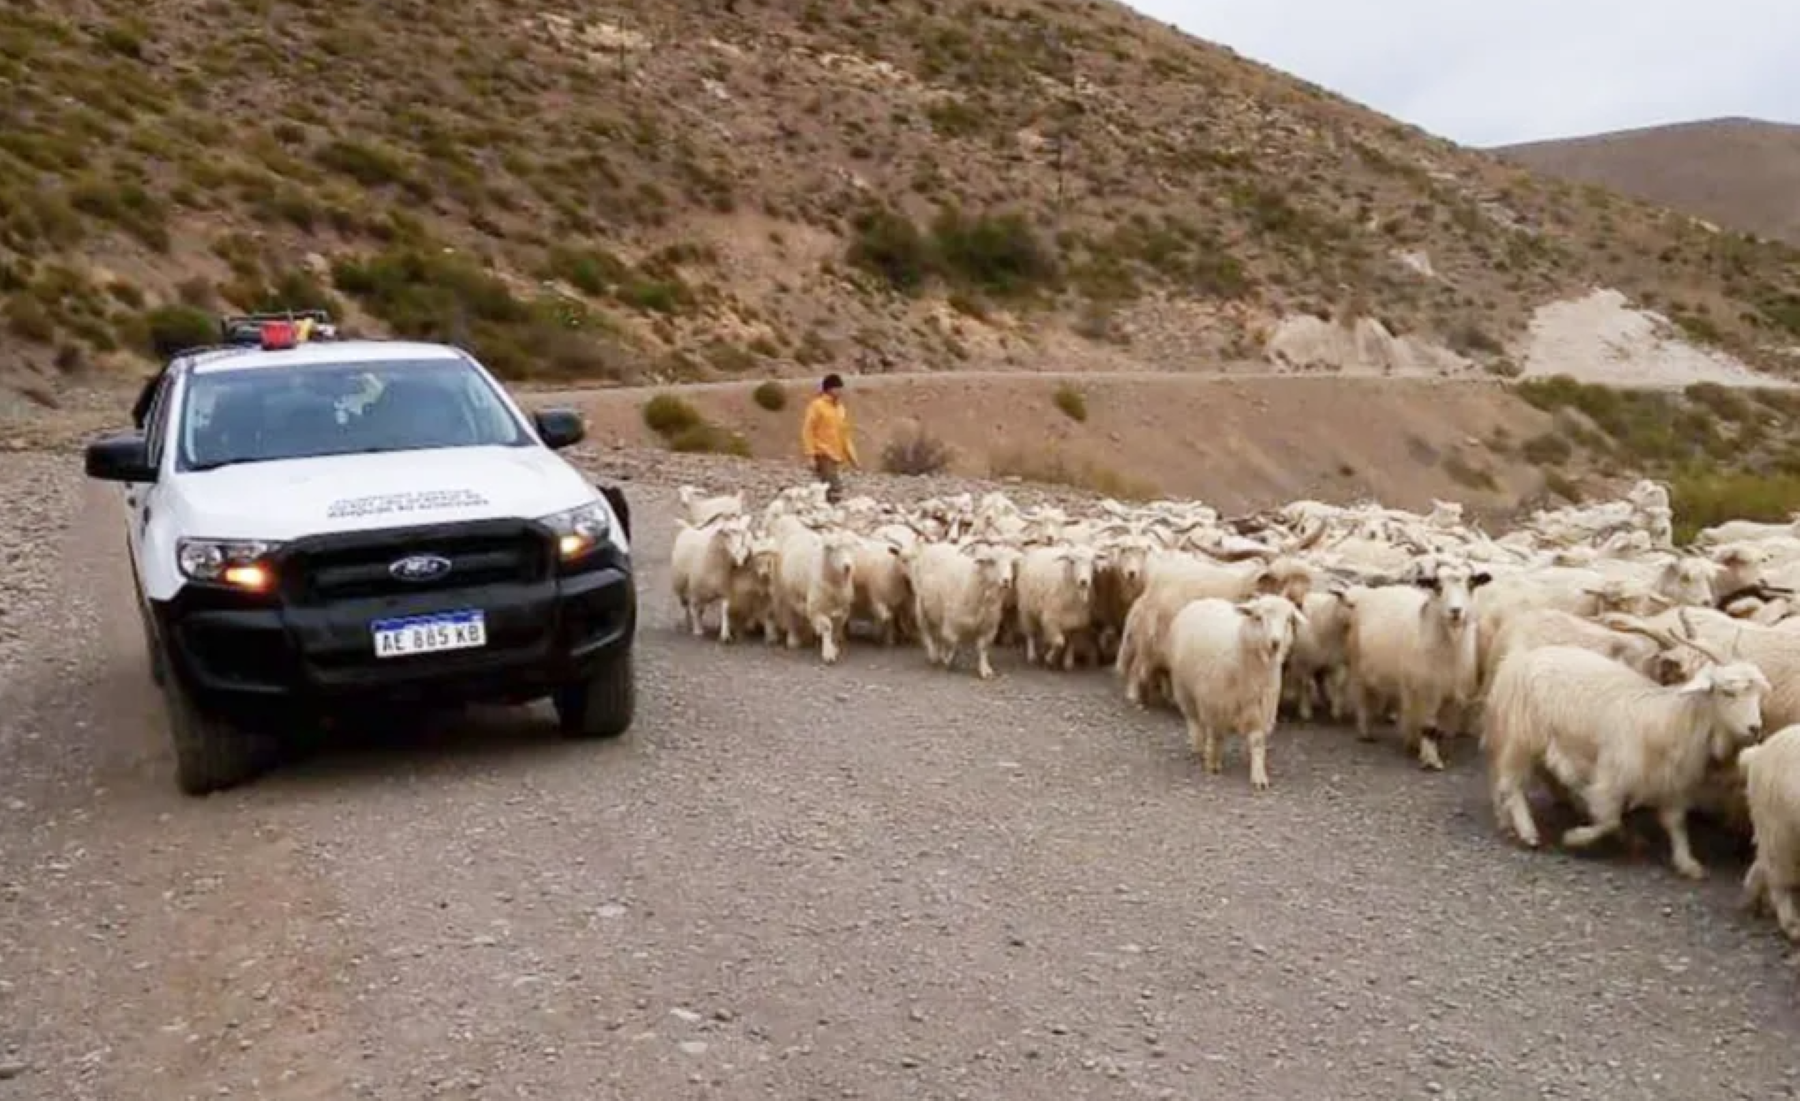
825 436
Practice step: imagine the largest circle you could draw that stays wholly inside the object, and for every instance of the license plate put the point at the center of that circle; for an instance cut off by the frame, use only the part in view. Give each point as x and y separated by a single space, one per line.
429 634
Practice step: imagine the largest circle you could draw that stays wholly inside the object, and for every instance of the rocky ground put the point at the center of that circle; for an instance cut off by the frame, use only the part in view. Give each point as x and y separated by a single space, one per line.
877 880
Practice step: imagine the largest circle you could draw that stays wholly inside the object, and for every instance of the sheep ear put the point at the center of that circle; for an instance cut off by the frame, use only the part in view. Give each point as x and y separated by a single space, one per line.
1480 579
1699 684
1431 583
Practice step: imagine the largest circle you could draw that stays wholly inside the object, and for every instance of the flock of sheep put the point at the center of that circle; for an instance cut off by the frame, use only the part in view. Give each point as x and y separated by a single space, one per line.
1584 650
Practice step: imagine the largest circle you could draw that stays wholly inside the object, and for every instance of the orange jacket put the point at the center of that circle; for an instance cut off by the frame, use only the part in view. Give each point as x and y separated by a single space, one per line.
826 431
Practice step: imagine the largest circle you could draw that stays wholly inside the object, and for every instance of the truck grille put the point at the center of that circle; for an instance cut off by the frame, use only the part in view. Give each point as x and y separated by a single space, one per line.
354 567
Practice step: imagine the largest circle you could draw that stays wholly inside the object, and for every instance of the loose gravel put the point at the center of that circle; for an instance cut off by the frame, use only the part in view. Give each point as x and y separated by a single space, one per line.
870 881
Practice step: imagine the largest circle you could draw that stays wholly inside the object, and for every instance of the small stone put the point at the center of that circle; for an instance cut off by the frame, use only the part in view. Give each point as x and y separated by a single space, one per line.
687 1015
12 1068
693 1047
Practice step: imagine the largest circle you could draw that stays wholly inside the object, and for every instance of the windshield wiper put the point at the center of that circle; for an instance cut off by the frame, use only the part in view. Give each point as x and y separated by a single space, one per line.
217 463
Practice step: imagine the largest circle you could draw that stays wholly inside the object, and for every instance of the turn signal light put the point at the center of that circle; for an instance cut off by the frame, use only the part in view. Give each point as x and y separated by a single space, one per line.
256 579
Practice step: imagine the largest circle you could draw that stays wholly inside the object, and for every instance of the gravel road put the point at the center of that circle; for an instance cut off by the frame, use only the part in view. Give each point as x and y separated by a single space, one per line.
871 881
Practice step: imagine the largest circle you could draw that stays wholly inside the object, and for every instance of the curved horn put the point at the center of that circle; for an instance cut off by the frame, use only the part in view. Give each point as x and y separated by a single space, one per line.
1689 638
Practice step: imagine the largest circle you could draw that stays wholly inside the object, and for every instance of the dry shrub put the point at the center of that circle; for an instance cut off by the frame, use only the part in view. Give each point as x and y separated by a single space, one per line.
914 451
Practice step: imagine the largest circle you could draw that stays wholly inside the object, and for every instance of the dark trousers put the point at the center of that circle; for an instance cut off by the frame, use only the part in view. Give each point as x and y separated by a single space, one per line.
828 471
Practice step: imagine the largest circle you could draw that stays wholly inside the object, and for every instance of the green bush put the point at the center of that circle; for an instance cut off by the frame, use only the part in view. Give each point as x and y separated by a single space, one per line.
1072 403
667 415
1704 498
770 395
998 253
425 294
1549 449
171 329
887 244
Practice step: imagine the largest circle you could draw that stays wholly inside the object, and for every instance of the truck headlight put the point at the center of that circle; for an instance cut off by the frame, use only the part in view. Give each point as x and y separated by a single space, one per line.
239 563
581 529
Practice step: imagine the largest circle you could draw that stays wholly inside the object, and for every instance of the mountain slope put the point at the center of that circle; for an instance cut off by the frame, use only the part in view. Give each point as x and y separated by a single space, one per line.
1740 173
673 189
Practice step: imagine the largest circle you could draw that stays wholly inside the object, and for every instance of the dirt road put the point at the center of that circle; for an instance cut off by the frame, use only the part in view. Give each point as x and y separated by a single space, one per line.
874 881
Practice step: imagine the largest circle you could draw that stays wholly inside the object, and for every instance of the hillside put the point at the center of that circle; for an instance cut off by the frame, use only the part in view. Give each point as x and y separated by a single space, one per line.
670 190
1742 174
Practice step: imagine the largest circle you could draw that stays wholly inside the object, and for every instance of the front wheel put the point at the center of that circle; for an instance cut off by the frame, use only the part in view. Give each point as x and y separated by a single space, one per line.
212 752
602 706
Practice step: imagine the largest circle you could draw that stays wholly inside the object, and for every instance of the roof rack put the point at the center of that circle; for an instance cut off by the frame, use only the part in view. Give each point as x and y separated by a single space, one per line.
249 329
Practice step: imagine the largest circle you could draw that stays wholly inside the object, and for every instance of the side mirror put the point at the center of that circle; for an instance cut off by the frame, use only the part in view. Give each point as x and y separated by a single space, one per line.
559 428
121 457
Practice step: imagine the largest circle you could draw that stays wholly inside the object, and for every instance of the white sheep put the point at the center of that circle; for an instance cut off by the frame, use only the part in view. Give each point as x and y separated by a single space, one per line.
815 587
1415 645
1225 664
1614 738
1771 773
1175 579
1055 593
703 563
1316 663
959 598
883 592
750 595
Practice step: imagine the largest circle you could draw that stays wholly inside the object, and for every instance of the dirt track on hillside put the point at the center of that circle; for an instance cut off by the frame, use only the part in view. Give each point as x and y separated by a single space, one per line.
873 881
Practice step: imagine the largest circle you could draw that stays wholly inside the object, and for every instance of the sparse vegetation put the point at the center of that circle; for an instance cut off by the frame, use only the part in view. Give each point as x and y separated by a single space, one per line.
1056 468
770 395
552 251
1071 402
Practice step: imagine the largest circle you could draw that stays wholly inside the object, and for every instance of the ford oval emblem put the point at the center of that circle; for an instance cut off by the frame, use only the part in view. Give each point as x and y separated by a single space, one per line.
420 567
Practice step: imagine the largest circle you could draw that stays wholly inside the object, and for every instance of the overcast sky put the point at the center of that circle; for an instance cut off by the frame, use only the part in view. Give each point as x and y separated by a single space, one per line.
1493 72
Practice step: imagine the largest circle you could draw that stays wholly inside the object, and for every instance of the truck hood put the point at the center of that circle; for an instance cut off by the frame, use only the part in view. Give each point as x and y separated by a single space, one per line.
292 498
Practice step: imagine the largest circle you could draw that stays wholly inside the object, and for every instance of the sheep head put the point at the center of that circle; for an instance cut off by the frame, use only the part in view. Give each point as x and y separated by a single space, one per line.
1735 691
1079 563
1271 623
1452 585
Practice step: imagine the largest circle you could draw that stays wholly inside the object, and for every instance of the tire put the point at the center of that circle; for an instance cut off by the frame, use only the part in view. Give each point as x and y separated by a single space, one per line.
212 753
159 669
604 705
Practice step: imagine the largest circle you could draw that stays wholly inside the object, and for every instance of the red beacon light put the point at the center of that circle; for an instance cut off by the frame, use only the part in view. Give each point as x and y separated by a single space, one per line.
278 335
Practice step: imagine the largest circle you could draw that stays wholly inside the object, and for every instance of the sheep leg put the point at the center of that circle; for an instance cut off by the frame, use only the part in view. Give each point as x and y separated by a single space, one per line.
1756 889
725 620
1681 853
1363 702
1429 757
1337 691
828 643
692 608
947 652
1258 741
1213 751
928 638
1056 646
983 668
1781 897
1303 696
1605 806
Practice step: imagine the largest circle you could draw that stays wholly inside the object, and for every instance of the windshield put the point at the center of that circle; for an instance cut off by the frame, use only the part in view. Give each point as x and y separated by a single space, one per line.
260 414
